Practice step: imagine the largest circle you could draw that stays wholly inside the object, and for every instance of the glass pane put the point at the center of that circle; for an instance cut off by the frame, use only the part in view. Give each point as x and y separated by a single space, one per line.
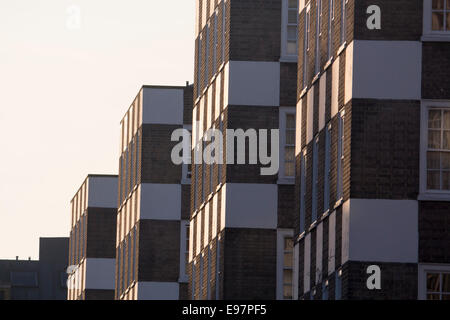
438 4
288 244
433 180
293 4
288 260
445 160
292 33
434 139
292 47
433 282
289 154
287 294
437 21
433 160
446 297
287 276
446 282
447 24
433 297
446 144
434 119
292 16
448 4
290 121
446 180
289 169
447 119
290 137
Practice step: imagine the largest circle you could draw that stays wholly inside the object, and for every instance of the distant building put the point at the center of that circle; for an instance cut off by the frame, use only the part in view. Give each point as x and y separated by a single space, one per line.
92 239
154 197
37 280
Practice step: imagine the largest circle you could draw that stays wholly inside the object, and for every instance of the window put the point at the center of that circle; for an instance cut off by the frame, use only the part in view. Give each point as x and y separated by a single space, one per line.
184 251
330 29
343 20
438 149
206 77
438 286
326 191
318 28
218 268
288 142
302 191
215 42
224 26
340 160
290 28
325 291
306 44
315 179
338 286
440 15
199 65
288 249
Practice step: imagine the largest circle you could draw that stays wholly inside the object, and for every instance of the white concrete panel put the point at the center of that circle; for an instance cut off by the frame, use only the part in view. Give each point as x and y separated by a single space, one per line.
160 201
383 230
331 243
307 265
226 84
348 73
322 99
158 291
298 131
345 231
254 83
335 87
163 106
310 115
102 192
387 69
319 252
100 274
251 205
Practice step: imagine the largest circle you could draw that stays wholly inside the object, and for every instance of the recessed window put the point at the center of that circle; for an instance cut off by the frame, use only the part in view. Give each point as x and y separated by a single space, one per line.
290 28
438 286
440 15
287 268
438 149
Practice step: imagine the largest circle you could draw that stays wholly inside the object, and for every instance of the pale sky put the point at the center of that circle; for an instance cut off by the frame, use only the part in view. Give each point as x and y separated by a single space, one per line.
63 91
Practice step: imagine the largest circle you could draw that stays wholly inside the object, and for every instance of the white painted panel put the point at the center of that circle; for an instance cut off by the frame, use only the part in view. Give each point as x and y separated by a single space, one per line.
310 115
307 265
102 192
100 274
387 69
319 252
160 201
163 106
158 291
348 73
298 131
345 231
332 243
254 83
335 87
322 99
251 205
383 230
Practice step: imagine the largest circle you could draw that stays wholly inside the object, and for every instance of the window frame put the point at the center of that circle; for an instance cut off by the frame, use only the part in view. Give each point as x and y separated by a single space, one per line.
282 235
425 194
315 181
283 114
424 269
285 56
306 43
184 250
428 33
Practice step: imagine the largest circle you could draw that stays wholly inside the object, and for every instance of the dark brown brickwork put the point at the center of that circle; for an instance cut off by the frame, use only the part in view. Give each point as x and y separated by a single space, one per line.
434 232
250 264
91 294
288 84
157 166
159 251
435 66
385 149
400 20
286 206
101 233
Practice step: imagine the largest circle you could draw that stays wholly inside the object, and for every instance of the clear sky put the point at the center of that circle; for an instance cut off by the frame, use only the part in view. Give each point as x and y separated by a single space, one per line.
66 80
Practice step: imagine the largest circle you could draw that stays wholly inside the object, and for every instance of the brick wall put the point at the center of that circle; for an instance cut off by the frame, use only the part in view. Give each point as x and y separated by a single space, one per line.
101 233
